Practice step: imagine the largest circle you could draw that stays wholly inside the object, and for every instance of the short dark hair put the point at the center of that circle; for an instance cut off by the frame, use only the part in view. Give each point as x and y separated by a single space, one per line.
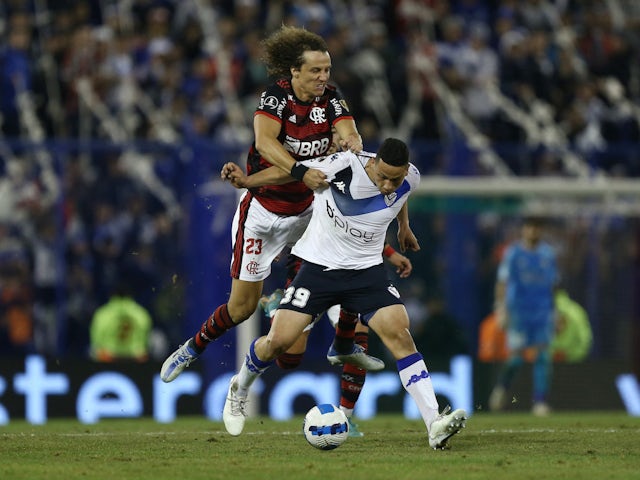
393 152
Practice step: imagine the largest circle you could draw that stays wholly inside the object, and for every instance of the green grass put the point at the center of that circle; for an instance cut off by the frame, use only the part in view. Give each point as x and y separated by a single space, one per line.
593 445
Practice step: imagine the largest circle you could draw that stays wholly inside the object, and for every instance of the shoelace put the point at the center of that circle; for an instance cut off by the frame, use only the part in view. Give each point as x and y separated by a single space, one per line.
184 358
445 411
237 405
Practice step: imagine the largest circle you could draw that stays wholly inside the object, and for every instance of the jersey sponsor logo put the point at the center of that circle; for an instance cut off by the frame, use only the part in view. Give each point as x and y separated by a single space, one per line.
270 101
342 224
344 105
340 186
313 148
338 106
317 116
416 378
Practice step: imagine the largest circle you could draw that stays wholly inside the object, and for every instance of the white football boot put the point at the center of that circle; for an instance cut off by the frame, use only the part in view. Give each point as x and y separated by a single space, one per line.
234 413
445 426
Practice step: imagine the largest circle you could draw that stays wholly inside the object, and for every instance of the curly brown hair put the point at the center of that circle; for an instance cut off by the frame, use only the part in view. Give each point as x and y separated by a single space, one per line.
284 49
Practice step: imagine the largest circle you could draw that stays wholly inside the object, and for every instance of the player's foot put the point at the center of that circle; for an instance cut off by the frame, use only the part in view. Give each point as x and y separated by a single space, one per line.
497 399
270 304
541 409
353 429
445 426
177 362
357 357
234 413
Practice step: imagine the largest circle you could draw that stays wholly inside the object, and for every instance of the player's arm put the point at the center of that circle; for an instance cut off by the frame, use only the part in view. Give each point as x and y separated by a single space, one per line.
269 176
500 307
406 237
403 264
349 138
266 130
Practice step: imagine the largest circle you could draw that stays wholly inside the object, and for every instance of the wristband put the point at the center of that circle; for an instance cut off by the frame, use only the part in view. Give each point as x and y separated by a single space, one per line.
298 170
388 251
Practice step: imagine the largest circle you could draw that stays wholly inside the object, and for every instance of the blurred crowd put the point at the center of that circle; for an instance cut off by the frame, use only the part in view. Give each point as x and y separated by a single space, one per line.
539 73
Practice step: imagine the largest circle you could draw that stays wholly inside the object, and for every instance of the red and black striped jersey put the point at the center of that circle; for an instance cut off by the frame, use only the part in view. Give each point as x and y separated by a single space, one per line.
305 133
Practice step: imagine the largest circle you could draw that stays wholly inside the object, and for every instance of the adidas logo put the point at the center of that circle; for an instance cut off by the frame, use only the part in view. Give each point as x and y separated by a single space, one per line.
292 118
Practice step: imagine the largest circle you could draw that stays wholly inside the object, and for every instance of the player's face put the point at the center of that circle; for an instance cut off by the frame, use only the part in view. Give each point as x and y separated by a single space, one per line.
388 177
531 234
311 79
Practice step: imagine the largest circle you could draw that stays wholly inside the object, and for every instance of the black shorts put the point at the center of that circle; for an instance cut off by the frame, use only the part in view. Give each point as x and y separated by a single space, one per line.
315 289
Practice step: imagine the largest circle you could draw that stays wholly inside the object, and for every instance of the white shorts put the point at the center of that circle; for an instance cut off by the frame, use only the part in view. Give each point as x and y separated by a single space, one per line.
258 236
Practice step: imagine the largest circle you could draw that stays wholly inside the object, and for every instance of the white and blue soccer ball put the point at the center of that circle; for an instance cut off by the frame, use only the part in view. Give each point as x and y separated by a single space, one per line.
325 427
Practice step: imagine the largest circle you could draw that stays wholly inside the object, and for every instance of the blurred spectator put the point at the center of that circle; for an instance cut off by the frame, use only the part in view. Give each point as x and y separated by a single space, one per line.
15 72
572 339
120 329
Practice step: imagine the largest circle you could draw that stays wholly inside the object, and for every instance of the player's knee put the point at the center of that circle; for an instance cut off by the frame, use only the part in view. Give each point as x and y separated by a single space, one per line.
240 312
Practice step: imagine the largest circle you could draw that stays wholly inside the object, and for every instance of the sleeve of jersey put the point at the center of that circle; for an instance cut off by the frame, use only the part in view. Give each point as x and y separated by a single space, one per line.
272 103
331 164
339 108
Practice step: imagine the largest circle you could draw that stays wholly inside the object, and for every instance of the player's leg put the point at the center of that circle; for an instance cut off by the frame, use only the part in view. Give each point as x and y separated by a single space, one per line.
287 327
256 243
516 343
353 377
352 381
541 335
391 323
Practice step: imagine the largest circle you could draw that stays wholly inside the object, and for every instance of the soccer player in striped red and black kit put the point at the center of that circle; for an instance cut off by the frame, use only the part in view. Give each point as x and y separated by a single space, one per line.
293 122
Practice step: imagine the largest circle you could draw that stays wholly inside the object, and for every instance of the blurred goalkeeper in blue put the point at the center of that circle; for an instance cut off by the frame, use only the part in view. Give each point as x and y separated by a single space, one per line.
526 281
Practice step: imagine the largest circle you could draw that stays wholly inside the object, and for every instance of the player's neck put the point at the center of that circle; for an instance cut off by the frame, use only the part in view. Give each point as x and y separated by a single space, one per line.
368 167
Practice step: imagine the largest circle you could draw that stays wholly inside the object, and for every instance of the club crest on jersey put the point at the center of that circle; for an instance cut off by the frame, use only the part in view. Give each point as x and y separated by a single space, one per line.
390 199
316 115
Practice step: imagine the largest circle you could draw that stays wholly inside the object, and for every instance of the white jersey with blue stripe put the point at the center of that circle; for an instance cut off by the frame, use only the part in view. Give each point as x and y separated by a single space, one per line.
350 218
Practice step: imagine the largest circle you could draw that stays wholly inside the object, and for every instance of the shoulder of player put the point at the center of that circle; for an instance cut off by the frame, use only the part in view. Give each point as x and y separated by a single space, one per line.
275 92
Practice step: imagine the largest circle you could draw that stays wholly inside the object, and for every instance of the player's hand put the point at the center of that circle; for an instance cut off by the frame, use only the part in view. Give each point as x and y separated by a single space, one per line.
315 179
353 142
403 264
407 240
233 174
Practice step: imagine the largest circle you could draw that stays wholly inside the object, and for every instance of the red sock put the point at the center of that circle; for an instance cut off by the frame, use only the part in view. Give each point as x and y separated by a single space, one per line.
352 379
289 361
218 323
345 331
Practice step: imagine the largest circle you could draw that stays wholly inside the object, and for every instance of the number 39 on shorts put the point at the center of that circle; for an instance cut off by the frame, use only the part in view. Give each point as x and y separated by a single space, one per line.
297 296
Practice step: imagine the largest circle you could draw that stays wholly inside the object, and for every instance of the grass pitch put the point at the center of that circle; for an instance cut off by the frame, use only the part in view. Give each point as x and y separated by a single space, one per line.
584 445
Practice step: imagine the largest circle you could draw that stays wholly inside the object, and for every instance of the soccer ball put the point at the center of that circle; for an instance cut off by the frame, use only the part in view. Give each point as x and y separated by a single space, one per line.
325 427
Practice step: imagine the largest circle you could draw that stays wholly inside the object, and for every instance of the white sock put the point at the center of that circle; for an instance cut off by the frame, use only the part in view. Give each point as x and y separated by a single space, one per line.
417 382
251 368
347 411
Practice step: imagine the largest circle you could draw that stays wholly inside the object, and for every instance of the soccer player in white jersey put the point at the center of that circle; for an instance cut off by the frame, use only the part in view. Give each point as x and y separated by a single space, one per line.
342 265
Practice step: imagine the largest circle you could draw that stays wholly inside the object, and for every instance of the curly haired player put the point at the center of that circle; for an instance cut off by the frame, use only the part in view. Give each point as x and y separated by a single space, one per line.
292 122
